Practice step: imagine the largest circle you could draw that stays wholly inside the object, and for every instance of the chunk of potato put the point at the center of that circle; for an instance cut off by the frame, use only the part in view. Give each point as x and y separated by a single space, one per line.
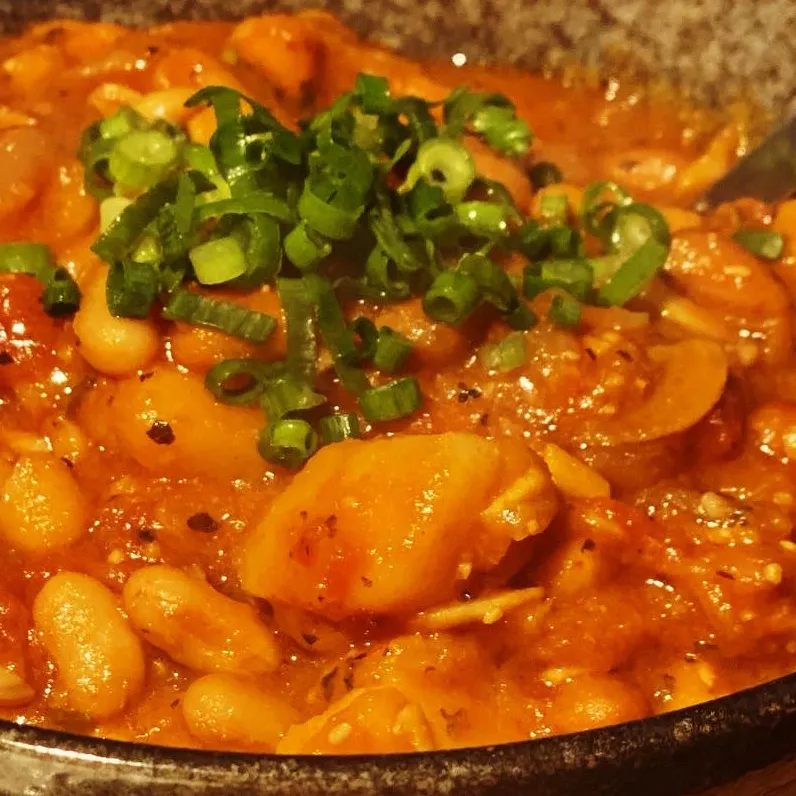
381 525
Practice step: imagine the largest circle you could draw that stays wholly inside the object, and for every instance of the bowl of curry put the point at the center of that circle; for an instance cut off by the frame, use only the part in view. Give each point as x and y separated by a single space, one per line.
379 425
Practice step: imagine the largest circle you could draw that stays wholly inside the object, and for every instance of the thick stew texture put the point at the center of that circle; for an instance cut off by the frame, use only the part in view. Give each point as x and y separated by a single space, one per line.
350 404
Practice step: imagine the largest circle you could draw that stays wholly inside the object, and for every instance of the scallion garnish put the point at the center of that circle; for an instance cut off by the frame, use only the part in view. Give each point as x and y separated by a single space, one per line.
217 261
764 243
391 401
234 320
340 427
509 353
565 310
61 295
371 200
451 298
289 442
240 382
392 350
131 289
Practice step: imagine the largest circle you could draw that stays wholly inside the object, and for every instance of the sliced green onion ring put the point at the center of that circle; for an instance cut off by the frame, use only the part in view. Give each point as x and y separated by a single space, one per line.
445 164
218 260
764 243
240 382
392 350
226 316
565 310
391 401
452 298
131 289
289 442
339 427
508 354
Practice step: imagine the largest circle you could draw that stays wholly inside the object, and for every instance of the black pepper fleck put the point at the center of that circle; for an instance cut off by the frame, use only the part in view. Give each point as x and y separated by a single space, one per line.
68 462
722 574
161 433
202 522
6 358
366 582
175 704
146 534
588 545
146 376
309 638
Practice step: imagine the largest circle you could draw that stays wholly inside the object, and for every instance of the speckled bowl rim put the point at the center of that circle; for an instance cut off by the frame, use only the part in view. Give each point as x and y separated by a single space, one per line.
653 741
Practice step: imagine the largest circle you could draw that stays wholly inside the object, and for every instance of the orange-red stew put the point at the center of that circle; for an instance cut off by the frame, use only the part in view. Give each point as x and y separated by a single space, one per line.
572 512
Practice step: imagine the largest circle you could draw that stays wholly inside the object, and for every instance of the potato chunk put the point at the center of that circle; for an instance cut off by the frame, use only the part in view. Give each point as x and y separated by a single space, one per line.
379 526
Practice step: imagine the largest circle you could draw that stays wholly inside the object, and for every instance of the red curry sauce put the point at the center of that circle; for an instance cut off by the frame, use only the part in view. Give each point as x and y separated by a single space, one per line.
600 535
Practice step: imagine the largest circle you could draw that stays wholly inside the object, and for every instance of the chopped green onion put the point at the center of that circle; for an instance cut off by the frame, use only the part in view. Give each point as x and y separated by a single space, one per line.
640 234
239 382
234 320
553 209
141 158
489 115
131 288
444 164
575 276
252 204
304 248
451 298
522 317
764 243
373 93
336 334
379 272
391 401
368 335
123 121
218 261
392 350
493 282
326 217
508 354
565 310
340 427
32 259
110 209
289 442
598 199
299 310
285 395
61 296
484 218
543 174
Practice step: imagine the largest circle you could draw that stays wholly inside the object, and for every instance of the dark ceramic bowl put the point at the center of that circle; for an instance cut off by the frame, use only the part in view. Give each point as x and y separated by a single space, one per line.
745 744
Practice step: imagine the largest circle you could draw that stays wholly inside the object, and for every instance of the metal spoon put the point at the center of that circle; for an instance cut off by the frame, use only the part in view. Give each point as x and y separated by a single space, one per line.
767 173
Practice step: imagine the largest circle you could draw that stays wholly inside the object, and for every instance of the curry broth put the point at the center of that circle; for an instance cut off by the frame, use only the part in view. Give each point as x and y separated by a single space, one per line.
665 553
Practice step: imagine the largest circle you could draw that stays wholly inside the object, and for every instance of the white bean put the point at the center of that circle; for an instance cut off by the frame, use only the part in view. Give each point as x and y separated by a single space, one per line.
100 661
41 506
196 625
114 346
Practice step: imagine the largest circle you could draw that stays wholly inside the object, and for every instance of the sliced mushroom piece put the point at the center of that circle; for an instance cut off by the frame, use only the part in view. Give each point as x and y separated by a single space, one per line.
692 381
484 610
